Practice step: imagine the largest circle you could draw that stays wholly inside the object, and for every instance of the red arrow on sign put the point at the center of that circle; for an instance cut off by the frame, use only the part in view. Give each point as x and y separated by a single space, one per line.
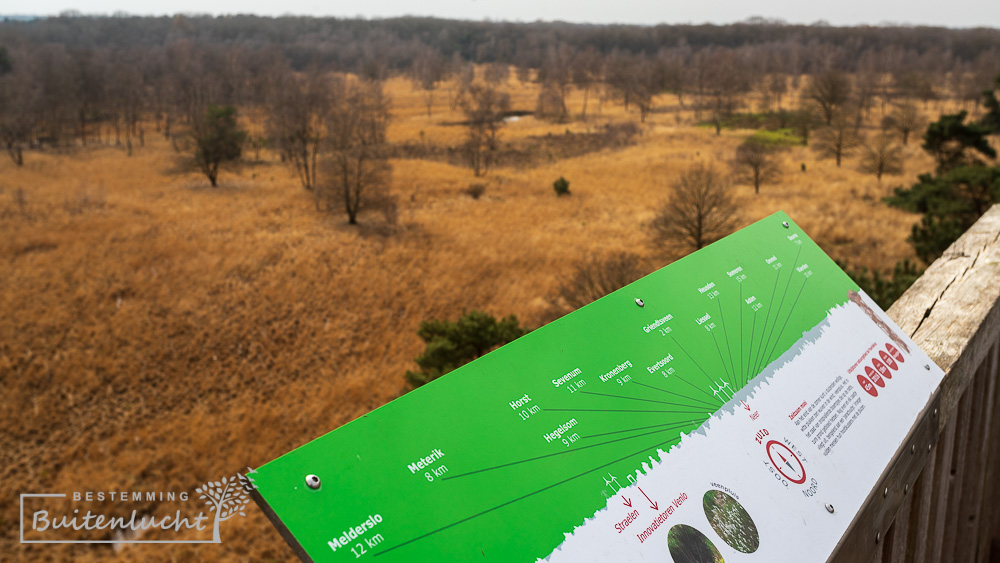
627 502
746 406
652 504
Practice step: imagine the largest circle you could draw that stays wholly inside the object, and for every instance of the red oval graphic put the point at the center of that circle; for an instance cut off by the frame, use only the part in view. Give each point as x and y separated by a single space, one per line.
867 386
874 376
787 464
887 359
895 353
882 369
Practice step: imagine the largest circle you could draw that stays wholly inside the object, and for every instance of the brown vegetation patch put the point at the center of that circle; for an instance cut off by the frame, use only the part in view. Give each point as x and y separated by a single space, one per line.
531 151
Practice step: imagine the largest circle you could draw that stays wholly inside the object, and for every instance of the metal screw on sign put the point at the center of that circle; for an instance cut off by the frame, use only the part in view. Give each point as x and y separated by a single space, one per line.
927 367
913 449
878 536
784 224
885 493
639 302
312 481
906 489
829 508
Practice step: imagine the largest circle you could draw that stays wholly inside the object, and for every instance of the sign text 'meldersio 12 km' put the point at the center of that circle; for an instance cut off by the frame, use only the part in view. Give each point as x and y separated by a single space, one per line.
708 411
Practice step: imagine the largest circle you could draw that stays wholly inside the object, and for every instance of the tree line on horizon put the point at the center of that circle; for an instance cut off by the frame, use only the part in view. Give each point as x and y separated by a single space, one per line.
347 41
74 78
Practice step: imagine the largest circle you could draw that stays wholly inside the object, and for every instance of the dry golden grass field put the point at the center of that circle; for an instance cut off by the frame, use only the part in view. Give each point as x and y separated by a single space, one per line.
156 333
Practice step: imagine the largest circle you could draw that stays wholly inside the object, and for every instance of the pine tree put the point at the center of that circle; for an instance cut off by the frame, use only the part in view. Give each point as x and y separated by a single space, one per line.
217 139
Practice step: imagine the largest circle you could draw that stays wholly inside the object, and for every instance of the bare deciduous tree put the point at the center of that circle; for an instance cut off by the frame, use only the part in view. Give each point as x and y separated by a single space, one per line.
916 83
556 75
90 91
265 71
190 80
829 90
429 68
865 87
551 103
298 107
701 210
523 73
675 72
881 155
357 173
777 87
904 119
755 164
647 81
838 140
635 80
597 277
484 107
804 121
726 80
586 70
18 113
126 94
464 77
497 73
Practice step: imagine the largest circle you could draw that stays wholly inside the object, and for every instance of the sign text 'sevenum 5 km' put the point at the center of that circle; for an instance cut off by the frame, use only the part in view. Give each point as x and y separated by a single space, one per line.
754 384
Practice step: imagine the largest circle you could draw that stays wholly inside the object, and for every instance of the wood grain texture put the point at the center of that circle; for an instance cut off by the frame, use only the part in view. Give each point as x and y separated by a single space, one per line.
953 310
989 521
960 467
953 313
976 468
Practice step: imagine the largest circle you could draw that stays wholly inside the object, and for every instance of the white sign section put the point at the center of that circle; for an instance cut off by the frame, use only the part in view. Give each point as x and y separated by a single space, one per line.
817 427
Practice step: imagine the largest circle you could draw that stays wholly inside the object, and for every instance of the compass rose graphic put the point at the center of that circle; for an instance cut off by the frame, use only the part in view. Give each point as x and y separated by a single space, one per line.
786 462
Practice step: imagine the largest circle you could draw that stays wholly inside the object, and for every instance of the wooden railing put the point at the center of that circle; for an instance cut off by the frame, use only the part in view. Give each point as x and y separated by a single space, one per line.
939 499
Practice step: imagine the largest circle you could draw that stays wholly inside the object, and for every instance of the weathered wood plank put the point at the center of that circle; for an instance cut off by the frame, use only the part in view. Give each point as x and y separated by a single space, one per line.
900 539
989 522
943 456
961 463
919 301
924 489
953 310
919 516
970 505
953 313
882 552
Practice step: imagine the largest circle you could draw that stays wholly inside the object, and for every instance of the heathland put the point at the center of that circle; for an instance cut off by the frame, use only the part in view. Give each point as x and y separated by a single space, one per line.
157 333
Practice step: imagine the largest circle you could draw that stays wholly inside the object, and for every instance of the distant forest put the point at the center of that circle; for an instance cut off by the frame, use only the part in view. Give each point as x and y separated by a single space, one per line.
73 77
347 43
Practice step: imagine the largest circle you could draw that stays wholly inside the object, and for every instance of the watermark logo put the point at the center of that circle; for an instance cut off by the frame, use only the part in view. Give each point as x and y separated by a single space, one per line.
225 498
79 518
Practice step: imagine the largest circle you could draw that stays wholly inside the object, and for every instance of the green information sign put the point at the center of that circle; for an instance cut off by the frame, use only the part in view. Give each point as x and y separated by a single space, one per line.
585 435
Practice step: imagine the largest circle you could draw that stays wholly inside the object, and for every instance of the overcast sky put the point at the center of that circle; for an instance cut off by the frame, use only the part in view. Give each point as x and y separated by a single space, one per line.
952 13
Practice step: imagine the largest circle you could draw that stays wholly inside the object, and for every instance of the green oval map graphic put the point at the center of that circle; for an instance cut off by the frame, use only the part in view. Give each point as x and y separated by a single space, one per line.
688 545
731 521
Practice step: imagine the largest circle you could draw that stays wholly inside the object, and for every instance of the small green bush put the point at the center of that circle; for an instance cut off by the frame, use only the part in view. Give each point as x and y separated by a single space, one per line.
561 186
475 191
452 344
217 139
